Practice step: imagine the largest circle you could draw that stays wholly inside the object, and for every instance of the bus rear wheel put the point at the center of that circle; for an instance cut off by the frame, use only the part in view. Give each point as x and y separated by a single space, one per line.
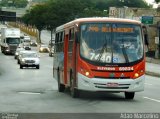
129 95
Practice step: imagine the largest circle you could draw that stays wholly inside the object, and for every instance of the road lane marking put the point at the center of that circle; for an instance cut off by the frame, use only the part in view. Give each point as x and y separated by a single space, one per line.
148 84
33 93
152 99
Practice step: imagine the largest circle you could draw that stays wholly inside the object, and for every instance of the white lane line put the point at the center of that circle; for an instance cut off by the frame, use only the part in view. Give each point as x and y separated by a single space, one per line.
148 84
30 93
152 99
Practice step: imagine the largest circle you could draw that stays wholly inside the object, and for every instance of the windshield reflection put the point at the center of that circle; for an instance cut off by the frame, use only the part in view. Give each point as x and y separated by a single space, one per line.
13 40
29 55
111 43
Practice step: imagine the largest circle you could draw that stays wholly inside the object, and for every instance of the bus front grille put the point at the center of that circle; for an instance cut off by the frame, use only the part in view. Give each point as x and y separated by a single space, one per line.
112 77
104 86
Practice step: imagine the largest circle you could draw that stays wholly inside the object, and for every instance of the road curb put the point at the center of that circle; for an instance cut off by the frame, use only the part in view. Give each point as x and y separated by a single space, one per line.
152 60
152 74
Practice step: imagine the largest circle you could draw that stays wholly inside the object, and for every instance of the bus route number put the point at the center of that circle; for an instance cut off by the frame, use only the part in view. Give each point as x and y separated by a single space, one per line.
126 68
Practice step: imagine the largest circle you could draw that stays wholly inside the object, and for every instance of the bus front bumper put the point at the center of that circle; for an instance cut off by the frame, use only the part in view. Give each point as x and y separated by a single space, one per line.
110 85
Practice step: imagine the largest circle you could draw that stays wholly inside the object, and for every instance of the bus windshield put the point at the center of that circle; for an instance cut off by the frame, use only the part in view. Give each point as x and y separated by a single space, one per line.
111 42
13 40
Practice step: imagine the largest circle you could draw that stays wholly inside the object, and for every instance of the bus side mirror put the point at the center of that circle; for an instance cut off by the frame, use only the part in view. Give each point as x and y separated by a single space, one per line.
146 42
77 37
146 39
145 32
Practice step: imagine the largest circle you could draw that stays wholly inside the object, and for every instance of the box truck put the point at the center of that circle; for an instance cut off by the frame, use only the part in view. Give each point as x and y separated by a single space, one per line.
10 40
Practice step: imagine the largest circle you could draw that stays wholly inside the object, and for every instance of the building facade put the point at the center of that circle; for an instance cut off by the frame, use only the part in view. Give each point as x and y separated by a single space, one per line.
153 26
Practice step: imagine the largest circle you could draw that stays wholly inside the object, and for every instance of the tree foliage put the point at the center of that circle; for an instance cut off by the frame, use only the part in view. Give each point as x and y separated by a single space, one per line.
36 17
157 1
14 3
105 4
56 12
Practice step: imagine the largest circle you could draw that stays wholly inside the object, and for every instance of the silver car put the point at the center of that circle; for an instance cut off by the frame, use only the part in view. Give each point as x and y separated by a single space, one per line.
18 51
19 55
29 59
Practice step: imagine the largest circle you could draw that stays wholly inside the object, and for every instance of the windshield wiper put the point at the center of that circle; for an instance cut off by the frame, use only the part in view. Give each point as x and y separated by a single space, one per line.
101 52
124 52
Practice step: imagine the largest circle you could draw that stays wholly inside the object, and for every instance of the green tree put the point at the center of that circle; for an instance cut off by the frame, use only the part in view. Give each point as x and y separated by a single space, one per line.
157 1
20 3
26 18
57 12
105 4
14 3
36 17
60 12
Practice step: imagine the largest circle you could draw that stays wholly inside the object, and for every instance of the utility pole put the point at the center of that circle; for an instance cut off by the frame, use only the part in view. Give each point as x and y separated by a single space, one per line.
157 39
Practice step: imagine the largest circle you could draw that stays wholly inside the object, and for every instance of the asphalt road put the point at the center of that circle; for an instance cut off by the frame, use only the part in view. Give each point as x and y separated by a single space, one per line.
35 91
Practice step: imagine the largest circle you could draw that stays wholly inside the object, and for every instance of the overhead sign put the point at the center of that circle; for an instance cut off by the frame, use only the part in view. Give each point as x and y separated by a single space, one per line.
147 19
7 16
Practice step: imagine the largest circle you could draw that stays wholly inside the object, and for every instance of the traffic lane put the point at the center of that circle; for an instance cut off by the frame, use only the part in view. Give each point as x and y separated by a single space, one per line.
12 70
152 69
37 91
53 101
15 80
152 87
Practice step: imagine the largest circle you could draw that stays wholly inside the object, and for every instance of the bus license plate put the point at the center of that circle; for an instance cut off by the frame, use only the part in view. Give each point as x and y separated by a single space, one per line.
112 84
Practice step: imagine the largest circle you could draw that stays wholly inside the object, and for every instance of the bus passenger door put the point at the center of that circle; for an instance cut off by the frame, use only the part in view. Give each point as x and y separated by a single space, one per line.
71 56
65 58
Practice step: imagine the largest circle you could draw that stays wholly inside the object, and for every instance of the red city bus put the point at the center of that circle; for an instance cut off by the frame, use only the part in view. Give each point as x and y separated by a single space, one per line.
100 54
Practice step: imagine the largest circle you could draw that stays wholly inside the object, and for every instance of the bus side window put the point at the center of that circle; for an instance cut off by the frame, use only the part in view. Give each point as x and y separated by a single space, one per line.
61 41
71 39
56 42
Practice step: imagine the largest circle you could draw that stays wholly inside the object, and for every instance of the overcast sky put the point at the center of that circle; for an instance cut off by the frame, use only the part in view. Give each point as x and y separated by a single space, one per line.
152 2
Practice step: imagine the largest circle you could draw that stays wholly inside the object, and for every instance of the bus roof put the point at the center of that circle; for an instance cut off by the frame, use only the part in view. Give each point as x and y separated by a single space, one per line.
97 19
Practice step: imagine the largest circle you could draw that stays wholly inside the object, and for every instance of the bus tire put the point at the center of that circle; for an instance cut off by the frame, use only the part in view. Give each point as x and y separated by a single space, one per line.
18 62
129 95
75 93
37 67
21 67
61 87
2 50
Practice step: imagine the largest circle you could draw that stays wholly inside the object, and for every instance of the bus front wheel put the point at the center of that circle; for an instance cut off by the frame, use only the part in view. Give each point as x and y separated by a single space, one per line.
74 91
129 95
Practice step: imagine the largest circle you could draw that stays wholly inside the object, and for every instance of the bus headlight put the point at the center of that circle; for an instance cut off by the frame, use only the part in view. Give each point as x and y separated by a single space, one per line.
87 73
138 74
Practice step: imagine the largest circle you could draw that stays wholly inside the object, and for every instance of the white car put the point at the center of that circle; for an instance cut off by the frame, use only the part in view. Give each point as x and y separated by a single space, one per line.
19 55
18 51
43 48
29 59
26 45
